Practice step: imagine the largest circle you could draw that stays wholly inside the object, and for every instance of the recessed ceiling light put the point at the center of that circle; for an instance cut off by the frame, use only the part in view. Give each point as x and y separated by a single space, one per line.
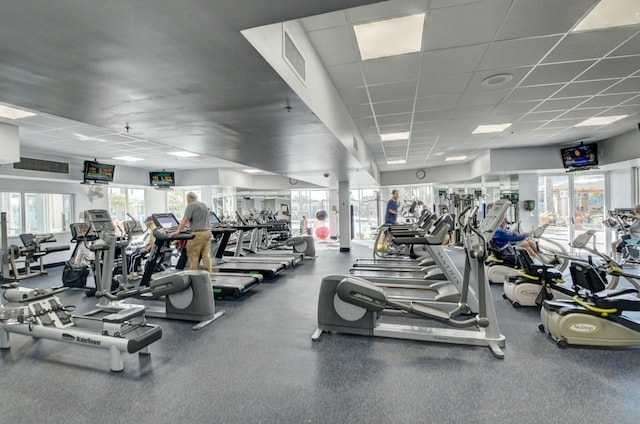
390 37
611 13
394 136
251 171
127 158
396 162
597 121
13 113
183 154
496 80
454 158
485 129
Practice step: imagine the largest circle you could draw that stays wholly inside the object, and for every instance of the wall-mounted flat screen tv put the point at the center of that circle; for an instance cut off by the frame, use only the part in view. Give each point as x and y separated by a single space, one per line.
582 156
162 178
98 172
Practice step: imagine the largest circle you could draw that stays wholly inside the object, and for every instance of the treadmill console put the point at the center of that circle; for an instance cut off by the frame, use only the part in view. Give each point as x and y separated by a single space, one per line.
166 221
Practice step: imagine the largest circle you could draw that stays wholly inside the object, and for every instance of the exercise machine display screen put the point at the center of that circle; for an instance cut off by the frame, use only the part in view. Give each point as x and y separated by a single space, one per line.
166 220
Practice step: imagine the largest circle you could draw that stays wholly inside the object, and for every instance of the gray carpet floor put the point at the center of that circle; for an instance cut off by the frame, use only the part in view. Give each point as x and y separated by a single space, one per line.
258 364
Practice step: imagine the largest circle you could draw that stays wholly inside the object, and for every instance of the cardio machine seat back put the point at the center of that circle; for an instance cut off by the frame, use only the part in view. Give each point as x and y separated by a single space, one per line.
591 287
542 271
504 255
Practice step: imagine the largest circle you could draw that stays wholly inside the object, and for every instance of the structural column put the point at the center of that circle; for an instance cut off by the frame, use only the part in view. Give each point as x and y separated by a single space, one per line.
344 215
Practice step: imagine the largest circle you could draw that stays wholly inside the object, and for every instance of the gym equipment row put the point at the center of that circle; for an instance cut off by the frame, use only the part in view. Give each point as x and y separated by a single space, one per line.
31 252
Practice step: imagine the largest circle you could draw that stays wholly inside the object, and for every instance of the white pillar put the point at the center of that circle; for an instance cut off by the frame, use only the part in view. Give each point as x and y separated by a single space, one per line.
344 216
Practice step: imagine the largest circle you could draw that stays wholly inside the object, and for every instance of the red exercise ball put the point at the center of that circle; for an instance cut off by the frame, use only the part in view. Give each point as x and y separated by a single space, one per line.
322 232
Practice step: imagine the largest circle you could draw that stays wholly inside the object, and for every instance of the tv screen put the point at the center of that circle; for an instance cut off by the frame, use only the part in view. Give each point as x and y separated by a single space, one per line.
98 172
162 178
584 155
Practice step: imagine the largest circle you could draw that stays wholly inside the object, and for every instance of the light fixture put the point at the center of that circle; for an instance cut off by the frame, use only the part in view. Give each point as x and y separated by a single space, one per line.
394 136
251 171
485 129
454 158
183 154
496 80
597 121
390 37
127 158
396 162
13 113
610 13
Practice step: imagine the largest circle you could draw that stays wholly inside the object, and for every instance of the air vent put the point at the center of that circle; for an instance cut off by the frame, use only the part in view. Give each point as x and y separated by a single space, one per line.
294 58
30 164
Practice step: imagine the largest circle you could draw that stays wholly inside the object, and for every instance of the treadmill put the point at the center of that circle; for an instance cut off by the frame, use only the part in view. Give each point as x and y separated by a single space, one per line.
251 251
232 264
224 284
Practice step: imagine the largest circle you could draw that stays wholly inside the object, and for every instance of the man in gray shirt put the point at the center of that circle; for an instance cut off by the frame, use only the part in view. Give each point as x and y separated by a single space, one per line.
196 215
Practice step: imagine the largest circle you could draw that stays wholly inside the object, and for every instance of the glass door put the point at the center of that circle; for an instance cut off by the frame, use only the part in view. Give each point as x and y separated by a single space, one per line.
553 198
589 207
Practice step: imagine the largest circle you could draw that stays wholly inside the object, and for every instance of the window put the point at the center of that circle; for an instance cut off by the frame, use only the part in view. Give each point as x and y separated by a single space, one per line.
43 212
11 203
123 201
177 201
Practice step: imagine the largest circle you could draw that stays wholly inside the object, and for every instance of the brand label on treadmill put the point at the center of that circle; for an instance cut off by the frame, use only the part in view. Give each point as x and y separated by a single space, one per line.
583 328
530 293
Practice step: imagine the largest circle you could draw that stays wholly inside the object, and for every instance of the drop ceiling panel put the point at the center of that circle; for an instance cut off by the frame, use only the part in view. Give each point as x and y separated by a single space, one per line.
385 10
589 44
403 90
335 45
326 20
525 20
445 84
354 96
538 92
346 75
612 68
514 107
398 119
360 111
583 113
392 108
556 73
560 104
443 26
519 52
608 100
630 47
391 69
584 88
629 85
452 60
486 97
436 102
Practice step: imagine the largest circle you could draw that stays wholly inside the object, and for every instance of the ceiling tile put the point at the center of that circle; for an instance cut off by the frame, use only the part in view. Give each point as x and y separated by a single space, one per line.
556 73
452 61
530 18
583 113
335 45
445 84
538 92
354 96
560 104
392 69
612 68
588 44
631 47
486 97
346 75
325 20
437 102
608 100
514 107
403 90
629 85
397 119
390 108
519 52
584 88
443 25
517 73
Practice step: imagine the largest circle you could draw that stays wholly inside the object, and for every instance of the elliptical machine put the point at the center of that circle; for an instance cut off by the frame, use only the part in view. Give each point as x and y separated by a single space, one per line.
180 295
